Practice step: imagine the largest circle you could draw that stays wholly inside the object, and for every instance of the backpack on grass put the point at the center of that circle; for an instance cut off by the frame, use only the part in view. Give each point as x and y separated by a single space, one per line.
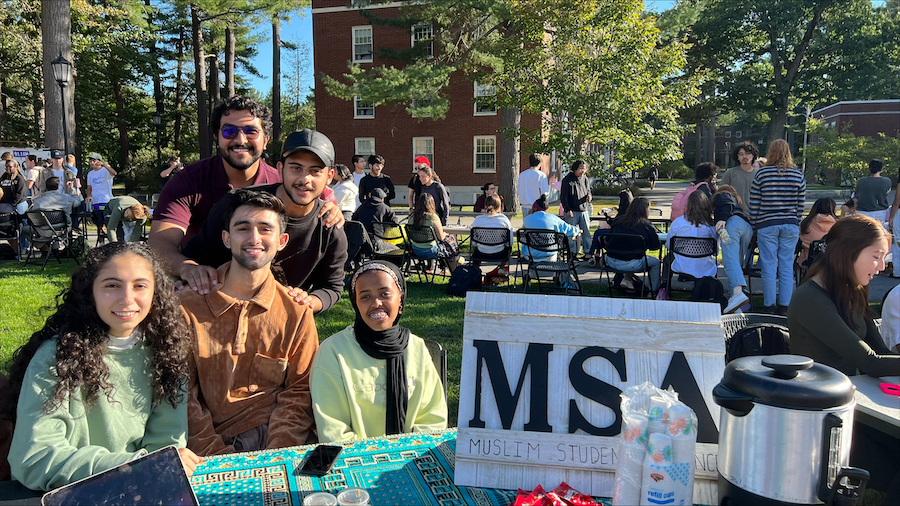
465 278
679 202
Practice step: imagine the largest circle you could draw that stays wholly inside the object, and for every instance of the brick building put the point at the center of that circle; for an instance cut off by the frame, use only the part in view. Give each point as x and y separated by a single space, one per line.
867 118
464 147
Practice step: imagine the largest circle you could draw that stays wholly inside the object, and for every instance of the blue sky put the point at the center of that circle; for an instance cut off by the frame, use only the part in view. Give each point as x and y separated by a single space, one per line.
300 30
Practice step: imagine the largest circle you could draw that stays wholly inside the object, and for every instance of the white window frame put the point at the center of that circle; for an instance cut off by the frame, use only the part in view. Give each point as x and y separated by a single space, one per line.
483 91
475 153
357 107
353 44
727 134
362 152
417 153
739 134
419 103
422 31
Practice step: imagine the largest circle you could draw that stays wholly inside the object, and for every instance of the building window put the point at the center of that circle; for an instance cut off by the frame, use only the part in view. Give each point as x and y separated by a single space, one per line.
738 134
365 146
362 44
423 37
363 110
424 146
728 134
485 105
419 108
485 153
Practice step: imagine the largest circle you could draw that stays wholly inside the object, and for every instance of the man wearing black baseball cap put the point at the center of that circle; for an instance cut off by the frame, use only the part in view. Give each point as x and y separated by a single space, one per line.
67 181
313 260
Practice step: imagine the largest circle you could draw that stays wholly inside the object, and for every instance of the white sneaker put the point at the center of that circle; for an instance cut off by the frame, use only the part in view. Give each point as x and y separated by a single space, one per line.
735 302
627 284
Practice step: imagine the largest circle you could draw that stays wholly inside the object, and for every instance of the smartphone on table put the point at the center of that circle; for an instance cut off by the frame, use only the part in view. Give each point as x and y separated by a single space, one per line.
320 460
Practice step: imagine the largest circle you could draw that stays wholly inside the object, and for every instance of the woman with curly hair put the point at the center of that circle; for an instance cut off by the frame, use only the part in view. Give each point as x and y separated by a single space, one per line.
103 382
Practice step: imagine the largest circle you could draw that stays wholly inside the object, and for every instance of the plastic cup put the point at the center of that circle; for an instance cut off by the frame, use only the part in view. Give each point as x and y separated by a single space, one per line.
320 499
353 497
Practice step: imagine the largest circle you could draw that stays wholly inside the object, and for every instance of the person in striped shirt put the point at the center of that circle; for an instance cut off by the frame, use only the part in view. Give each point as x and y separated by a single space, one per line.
777 195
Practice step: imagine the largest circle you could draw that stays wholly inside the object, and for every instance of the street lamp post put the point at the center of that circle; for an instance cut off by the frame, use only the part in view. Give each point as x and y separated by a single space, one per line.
62 71
157 122
805 135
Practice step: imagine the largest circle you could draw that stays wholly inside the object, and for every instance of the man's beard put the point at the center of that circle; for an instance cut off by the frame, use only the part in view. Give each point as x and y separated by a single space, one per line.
251 150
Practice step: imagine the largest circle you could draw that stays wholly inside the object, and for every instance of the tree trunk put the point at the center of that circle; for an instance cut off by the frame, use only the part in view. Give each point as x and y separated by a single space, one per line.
711 139
510 121
200 81
276 81
56 40
3 106
121 124
229 62
179 93
776 126
157 80
37 109
215 89
698 144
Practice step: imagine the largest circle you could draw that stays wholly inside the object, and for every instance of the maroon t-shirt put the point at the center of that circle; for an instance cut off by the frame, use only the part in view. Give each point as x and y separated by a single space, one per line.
190 194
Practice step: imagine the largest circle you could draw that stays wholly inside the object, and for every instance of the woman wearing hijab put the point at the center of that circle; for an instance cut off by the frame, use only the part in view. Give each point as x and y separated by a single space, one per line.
375 377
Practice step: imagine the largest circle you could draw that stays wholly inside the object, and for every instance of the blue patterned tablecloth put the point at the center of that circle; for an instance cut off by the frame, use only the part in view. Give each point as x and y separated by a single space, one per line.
405 469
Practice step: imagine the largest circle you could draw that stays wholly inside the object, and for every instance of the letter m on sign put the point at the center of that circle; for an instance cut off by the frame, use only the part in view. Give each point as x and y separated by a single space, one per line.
536 359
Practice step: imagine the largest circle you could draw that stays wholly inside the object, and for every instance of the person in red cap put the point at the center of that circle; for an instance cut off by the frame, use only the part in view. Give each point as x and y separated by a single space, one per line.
415 186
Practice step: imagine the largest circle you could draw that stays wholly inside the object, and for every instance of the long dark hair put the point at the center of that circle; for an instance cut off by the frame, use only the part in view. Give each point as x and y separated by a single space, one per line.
425 205
638 212
82 337
824 205
835 267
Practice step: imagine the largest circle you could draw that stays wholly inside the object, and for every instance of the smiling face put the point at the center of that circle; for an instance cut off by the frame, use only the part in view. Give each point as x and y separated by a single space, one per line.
95 164
379 299
581 170
376 168
870 261
11 167
254 237
304 178
123 293
241 152
424 177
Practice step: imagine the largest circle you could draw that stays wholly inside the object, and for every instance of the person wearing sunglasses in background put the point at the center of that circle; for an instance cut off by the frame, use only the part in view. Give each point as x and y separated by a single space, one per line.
242 127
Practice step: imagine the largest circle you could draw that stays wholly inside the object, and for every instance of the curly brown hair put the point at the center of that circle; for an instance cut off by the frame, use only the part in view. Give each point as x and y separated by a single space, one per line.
81 337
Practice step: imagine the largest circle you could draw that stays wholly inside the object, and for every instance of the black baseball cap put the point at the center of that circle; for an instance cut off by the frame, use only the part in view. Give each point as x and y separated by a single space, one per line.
309 140
57 153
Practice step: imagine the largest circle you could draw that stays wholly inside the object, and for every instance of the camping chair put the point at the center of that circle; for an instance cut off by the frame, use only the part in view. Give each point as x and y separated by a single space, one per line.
394 235
690 247
439 357
622 247
425 234
733 323
548 242
9 232
482 236
815 249
49 228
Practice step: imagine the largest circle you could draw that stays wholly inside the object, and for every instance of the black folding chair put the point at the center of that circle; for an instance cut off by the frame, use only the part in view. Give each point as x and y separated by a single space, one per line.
425 234
690 247
624 247
397 246
51 229
554 257
439 357
359 247
482 237
9 232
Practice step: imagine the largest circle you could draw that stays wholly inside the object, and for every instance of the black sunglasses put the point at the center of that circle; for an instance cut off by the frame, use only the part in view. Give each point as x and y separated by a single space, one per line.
231 131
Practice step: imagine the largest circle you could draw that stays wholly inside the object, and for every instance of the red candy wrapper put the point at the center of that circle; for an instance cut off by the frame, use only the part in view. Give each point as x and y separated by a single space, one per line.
568 496
537 497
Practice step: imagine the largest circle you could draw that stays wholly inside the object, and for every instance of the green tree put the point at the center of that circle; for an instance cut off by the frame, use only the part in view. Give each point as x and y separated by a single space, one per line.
596 66
846 155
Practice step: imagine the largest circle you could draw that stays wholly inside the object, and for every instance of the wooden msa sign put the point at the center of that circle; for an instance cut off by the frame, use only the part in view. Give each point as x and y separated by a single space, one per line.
541 378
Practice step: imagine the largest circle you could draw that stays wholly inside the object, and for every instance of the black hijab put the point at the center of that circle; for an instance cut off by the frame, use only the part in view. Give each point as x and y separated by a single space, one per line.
388 345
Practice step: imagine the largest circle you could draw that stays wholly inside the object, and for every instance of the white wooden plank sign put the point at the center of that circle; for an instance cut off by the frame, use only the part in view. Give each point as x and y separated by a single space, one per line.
541 378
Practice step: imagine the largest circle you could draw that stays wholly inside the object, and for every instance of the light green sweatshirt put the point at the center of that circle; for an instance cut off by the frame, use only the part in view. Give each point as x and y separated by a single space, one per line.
69 444
348 390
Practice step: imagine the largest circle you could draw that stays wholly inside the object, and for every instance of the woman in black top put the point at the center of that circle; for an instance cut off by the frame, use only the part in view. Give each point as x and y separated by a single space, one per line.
636 221
13 184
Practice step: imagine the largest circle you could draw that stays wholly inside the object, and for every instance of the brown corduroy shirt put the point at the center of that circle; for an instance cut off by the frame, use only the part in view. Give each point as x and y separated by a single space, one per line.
250 367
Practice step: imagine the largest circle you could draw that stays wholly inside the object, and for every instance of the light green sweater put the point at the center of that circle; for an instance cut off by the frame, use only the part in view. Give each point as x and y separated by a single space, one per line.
66 445
348 390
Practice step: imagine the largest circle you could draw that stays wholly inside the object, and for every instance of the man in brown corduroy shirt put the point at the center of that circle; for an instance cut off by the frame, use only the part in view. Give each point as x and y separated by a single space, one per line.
249 384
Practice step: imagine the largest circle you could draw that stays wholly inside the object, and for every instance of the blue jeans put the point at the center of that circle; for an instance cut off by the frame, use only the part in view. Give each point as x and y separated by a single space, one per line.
776 257
579 219
637 265
735 253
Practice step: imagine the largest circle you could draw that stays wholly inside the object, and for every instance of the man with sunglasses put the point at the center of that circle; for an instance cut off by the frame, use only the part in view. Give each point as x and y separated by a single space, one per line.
242 127
313 260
